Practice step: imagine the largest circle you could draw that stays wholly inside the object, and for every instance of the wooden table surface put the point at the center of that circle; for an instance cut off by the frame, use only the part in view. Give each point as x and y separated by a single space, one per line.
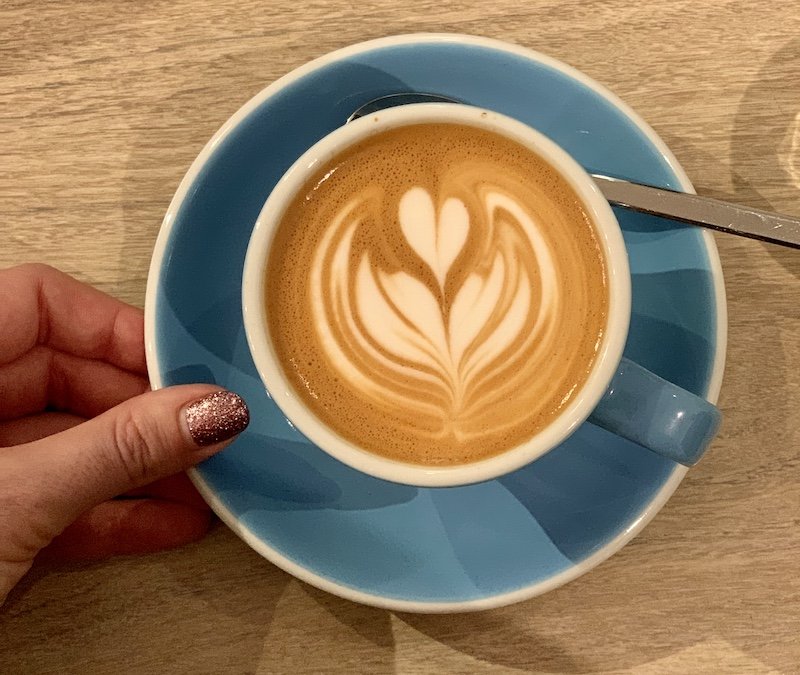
104 105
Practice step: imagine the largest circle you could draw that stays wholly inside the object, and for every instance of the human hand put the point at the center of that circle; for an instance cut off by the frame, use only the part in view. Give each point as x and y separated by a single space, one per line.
79 427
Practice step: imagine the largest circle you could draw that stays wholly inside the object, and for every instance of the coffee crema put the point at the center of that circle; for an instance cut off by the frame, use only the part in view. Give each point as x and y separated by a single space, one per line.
436 294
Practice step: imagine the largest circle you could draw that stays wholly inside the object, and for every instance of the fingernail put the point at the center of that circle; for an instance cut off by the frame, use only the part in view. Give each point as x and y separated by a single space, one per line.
217 417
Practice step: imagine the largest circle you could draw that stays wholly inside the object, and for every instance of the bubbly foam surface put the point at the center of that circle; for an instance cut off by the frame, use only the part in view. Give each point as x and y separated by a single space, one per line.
437 294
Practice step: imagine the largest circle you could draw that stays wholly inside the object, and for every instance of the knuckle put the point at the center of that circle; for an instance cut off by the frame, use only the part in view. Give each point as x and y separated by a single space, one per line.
135 440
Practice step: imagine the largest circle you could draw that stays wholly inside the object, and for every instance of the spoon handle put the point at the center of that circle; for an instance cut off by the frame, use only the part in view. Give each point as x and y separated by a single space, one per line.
688 208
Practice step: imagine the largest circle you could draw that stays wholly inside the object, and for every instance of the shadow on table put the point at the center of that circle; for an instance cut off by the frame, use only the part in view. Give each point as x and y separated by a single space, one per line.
764 146
765 140
565 631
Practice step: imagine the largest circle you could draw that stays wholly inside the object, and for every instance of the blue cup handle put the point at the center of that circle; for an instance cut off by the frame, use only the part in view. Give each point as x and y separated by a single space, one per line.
648 410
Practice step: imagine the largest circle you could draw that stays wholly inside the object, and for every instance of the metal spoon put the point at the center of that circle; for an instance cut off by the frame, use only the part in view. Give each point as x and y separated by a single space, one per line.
687 208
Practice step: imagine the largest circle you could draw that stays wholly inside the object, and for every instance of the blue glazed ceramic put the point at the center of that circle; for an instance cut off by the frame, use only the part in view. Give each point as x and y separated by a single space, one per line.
389 545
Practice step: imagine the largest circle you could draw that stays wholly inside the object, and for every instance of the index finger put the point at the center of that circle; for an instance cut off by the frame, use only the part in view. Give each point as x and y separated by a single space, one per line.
41 305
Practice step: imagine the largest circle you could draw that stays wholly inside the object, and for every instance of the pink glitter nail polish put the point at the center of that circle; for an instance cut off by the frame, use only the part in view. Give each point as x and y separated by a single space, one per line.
217 417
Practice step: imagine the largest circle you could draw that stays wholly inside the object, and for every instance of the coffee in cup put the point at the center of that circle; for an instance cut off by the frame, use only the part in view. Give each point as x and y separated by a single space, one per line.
436 293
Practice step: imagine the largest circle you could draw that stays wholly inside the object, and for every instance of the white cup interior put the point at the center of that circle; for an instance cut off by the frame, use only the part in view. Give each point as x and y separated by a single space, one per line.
292 405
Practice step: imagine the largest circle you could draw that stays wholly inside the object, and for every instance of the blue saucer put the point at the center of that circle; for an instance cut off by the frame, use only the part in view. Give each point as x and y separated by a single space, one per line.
391 545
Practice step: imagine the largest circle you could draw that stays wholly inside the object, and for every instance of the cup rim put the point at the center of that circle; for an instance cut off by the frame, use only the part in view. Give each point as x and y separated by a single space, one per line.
282 391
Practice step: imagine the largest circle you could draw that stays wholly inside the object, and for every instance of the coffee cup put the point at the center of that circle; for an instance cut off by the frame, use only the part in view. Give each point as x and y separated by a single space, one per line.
438 295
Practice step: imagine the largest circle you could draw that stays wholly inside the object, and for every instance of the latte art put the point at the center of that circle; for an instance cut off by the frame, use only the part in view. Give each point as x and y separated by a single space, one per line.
432 294
398 336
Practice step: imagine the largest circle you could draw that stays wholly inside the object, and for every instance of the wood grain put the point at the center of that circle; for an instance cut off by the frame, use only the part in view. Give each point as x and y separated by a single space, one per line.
103 106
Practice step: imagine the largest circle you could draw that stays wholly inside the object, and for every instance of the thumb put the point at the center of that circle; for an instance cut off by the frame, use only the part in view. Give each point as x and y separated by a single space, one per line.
142 440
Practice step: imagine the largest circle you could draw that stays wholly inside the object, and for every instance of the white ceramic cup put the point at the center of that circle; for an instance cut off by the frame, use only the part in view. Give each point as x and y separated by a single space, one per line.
609 356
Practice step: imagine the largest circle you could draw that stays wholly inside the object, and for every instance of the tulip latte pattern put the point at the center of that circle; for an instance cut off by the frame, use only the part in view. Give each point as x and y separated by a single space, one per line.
445 319
397 336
